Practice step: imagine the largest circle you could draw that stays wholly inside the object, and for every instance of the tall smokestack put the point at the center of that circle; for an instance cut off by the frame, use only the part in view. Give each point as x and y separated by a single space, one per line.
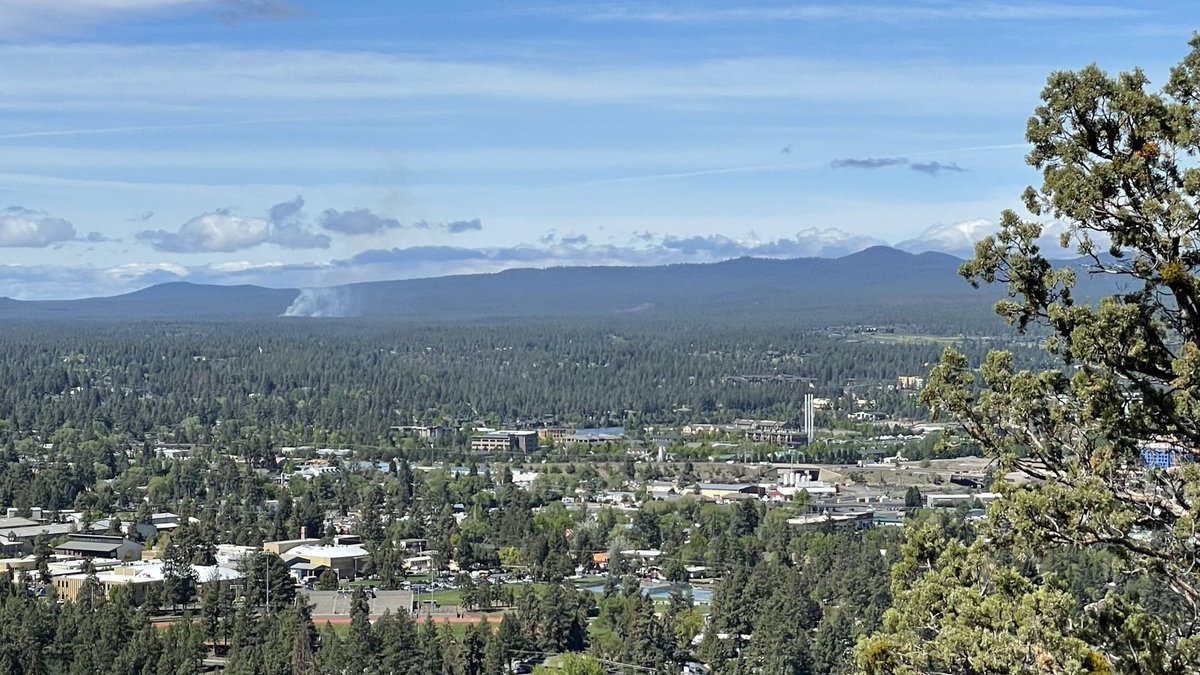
808 418
304 532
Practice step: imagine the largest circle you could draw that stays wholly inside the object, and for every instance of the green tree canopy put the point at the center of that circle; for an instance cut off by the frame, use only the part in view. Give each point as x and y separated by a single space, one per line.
1121 184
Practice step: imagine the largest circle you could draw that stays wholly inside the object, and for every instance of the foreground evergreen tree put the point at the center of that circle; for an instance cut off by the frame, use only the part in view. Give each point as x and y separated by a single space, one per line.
1120 175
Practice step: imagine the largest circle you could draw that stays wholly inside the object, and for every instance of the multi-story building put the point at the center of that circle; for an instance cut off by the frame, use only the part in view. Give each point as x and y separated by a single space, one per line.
506 441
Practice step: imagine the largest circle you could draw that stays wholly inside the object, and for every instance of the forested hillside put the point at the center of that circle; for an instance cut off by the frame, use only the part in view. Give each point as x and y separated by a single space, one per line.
355 379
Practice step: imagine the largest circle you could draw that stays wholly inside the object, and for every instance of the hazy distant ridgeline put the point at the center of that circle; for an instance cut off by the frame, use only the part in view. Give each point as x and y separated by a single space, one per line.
877 285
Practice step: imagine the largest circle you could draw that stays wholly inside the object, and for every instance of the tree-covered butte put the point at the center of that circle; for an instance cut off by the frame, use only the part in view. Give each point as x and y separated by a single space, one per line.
1121 182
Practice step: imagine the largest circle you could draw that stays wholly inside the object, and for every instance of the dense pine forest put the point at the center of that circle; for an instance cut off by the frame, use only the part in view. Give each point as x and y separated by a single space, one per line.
351 380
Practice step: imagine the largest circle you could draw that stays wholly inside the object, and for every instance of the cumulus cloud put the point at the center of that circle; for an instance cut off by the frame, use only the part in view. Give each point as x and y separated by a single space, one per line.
932 168
285 211
223 232
957 239
289 231
420 254
356 221
51 282
285 225
215 232
146 273
812 242
645 248
22 227
867 162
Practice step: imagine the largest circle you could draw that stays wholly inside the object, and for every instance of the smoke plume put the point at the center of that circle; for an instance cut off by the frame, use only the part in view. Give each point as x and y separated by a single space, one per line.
322 302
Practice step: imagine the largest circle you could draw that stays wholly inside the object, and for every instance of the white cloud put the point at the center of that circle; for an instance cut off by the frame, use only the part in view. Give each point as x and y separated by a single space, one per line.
21 227
958 239
219 231
242 266
132 272
953 238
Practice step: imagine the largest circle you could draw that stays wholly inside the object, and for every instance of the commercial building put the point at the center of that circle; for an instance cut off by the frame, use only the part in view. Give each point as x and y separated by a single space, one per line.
422 432
311 560
142 579
730 490
506 441
854 520
935 501
100 546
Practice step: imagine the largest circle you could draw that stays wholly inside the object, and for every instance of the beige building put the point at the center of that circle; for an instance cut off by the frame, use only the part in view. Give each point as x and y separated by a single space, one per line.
308 560
141 579
504 441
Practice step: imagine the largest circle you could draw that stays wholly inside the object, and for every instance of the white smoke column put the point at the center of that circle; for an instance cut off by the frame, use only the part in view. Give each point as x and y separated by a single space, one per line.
321 302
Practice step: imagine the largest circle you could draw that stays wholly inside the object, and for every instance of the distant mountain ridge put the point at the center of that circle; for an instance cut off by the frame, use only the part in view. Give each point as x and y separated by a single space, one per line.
876 284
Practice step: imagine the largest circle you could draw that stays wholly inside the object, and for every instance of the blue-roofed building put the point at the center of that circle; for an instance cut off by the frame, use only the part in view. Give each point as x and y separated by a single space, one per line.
1164 455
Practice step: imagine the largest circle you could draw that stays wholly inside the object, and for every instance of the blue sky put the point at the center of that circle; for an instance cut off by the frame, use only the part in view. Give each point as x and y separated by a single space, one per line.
297 143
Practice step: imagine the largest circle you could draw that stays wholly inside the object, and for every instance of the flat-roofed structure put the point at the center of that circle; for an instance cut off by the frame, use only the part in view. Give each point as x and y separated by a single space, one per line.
30 532
9 523
854 520
505 441
142 579
345 560
100 546
285 545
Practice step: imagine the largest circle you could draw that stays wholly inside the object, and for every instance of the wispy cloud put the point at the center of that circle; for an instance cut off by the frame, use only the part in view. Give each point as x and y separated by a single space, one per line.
452 227
23 19
105 131
72 76
867 162
858 12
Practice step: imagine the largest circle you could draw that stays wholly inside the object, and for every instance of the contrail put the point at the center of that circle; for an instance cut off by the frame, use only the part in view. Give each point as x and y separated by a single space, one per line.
690 174
153 127
974 148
